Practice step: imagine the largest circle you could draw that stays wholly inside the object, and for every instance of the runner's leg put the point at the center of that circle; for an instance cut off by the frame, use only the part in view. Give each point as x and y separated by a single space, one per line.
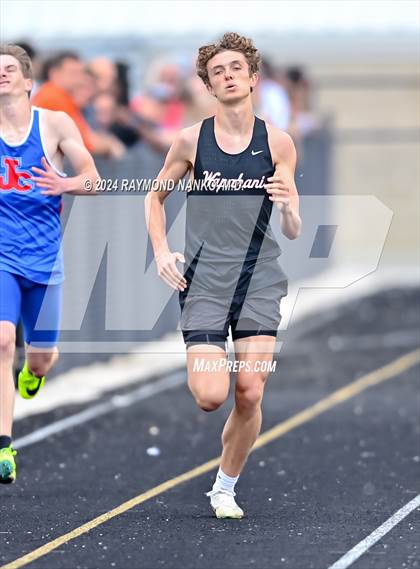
244 423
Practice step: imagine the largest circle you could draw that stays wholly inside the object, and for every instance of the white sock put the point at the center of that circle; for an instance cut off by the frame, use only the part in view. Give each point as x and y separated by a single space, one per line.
225 482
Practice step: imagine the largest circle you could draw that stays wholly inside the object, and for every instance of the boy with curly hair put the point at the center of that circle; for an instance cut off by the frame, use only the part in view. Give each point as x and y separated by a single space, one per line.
239 167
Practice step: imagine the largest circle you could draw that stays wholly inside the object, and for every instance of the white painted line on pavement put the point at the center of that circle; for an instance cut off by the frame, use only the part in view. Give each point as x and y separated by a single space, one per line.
358 550
116 402
86 384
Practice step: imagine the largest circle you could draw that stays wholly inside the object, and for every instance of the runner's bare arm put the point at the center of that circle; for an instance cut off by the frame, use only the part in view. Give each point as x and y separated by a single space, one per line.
178 162
71 145
281 186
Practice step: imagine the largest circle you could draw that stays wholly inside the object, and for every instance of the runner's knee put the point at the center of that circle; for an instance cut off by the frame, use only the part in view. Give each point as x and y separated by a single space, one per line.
248 395
210 403
208 397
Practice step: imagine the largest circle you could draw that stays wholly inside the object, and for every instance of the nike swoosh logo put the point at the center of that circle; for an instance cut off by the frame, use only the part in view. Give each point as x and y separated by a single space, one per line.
254 153
33 392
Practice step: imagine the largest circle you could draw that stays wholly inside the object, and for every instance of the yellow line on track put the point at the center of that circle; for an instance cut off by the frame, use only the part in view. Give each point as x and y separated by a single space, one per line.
344 394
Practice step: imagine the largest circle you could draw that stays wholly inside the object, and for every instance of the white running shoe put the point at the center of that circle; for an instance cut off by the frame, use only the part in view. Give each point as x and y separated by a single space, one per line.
224 505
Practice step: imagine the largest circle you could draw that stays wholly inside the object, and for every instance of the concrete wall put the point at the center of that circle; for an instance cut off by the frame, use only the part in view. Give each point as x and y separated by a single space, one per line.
376 116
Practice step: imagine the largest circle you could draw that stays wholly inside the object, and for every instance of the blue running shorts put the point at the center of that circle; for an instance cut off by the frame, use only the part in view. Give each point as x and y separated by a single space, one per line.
38 305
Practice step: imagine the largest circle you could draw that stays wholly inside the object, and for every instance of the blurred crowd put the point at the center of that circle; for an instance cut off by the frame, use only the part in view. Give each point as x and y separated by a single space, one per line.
112 119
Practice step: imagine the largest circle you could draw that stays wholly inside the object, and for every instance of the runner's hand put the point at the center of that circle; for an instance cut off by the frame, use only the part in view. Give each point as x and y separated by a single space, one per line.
279 193
168 272
48 178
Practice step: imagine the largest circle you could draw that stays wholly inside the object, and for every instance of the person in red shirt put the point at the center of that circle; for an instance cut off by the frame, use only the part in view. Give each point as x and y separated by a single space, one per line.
65 72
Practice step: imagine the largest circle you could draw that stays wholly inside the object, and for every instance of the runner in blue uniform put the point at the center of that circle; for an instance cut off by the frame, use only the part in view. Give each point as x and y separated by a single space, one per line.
33 143
232 280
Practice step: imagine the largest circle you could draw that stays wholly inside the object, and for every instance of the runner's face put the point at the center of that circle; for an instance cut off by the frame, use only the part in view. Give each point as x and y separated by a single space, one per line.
12 81
229 76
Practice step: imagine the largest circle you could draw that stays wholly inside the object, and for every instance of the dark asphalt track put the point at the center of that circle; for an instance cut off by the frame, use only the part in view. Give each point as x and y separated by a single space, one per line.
309 496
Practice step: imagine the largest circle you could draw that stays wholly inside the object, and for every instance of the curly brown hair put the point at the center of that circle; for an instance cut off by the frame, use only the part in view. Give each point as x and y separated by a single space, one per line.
230 41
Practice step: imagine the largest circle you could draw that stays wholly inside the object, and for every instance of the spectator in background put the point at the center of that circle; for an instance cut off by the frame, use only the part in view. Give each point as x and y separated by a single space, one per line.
106 74
66 80
302 120
110 109
199 103
272 98
162 102
112 118
161 109
84 94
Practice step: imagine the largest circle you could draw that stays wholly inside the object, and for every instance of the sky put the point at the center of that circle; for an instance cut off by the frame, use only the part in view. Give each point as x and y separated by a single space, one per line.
47 18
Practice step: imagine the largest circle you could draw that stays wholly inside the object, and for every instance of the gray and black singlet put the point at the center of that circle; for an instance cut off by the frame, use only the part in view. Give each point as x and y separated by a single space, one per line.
230 249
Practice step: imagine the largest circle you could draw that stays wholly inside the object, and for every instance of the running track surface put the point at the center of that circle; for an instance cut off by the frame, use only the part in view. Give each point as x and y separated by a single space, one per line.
310 495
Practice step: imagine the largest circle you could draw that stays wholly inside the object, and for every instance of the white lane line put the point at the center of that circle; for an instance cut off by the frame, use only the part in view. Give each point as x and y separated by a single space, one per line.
358 550
92 382
117 401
